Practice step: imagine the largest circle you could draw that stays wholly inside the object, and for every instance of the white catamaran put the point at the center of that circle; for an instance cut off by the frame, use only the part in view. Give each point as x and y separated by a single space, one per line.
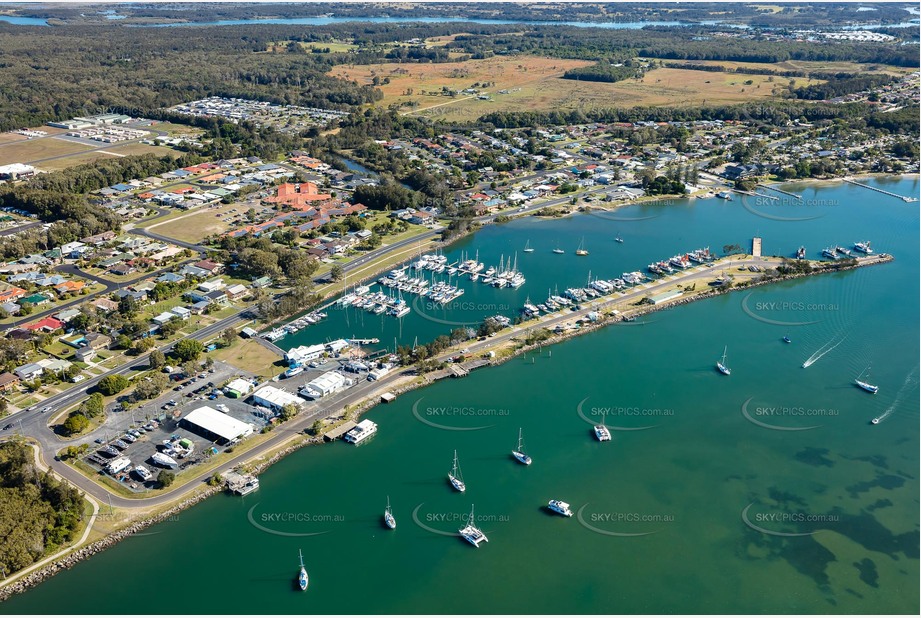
519 453
721 365
454 476
471 533
602 433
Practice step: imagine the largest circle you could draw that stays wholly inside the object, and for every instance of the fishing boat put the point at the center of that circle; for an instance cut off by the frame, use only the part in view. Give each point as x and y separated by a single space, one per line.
293 371
786 339
558 506
602 433
455 478
863 247
519 453
830 253
581 250
528 248
302 579
388 516
143 473
801 253
870 388
721 365
471 533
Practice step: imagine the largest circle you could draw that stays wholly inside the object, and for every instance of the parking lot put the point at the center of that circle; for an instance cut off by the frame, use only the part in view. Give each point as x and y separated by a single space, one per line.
157 421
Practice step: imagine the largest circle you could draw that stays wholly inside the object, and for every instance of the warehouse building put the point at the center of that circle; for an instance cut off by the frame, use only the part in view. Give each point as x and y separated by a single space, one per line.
328 383
275 398
215 426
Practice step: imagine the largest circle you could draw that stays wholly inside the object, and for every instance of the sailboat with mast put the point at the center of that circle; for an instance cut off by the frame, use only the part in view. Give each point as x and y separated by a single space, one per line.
519 453
558 250
388 516
870 388
455 478
582 250
302 579
528 248
471 533
721 364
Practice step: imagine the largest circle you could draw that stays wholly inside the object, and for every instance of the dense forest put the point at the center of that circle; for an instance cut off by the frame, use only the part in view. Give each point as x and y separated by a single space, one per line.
604 72
38 513
139 70
773 113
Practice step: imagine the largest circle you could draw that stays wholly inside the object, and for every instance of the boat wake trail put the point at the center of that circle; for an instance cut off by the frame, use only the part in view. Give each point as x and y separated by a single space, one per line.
909 380
822 352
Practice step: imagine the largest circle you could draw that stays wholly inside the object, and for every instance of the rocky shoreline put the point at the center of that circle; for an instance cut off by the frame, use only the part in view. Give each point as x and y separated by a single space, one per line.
37 577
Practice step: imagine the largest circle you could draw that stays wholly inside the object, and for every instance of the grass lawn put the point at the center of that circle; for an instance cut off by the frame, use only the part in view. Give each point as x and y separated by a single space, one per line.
249 355
35 150
194 226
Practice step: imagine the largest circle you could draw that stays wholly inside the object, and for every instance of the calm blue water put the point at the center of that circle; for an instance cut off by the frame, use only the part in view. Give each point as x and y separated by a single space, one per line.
839 218
847 488
24 21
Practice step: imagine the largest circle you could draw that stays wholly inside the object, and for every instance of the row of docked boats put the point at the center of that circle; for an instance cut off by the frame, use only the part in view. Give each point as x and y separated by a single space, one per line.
838 252
293 327
681 262
595 288
380 303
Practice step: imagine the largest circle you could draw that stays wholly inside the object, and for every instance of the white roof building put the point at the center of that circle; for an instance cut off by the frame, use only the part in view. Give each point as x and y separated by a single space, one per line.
304 353
216 425
275 398
328 383
240 386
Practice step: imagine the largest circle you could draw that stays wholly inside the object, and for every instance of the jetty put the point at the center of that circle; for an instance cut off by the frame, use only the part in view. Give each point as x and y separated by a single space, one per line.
337 432
755 194
240 484
270 346
772 188
904 198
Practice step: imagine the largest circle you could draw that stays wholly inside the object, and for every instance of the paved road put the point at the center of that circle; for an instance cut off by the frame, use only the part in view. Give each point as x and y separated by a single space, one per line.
20 228
34 423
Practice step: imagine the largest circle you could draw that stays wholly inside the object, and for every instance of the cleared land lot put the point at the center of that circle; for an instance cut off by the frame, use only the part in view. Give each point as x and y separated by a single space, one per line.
195 226
425 81
536 84
34 150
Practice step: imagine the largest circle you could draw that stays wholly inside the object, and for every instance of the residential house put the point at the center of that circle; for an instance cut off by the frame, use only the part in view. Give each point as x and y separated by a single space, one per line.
35 299
236 291
69 287
85 353
29 371
11 294
105 305
97 341
67 315
212 268
48 325
8 381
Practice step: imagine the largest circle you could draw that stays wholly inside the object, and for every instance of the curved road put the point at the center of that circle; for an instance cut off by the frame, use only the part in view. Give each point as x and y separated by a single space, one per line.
35 422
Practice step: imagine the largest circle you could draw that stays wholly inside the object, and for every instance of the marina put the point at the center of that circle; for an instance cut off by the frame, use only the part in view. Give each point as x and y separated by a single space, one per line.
708 440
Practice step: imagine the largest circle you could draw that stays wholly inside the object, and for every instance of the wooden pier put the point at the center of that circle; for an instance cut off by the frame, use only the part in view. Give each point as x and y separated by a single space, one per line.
770 188
754 194
883 191
270 346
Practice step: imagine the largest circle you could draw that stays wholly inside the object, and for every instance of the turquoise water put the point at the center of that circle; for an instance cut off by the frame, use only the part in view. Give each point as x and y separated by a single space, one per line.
680 486
23 21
